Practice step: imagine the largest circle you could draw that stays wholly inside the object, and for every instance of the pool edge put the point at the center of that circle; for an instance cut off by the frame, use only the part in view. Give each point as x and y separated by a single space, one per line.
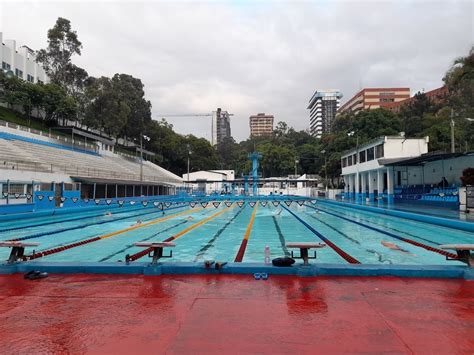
190 268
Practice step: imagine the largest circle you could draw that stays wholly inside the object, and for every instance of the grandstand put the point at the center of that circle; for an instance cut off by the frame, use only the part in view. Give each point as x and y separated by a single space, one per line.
27 155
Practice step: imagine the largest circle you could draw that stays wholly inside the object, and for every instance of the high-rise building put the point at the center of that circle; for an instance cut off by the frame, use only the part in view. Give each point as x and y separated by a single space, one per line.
322 108
20 63
221 127
372 98
261 125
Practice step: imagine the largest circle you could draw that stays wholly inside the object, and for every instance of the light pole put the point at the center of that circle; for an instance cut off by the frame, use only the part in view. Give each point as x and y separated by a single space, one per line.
325 169
296 168
452 124
141 154
189 153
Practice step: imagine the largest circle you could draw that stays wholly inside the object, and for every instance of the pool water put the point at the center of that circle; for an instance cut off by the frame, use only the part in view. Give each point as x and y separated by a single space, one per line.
217 234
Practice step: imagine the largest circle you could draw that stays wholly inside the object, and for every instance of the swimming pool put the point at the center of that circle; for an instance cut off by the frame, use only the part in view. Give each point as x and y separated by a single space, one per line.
234 233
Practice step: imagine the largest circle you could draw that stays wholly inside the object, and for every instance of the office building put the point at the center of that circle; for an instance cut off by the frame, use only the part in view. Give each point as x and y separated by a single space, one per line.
373 98
21 62
436 96
261 125
221 127
322 108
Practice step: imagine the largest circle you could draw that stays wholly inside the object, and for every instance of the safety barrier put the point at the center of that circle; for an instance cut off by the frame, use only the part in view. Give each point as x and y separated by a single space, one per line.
406 240
350 259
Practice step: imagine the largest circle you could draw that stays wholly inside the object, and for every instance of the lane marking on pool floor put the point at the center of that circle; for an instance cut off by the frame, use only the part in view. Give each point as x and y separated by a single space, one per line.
406 240
350 259
240 254
144 252
211 242
129 246
281 237
384 226
379 256
67 229
41 254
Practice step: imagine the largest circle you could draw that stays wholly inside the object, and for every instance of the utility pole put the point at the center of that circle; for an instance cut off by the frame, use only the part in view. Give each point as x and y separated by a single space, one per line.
325 169
453 148
189 153
141 157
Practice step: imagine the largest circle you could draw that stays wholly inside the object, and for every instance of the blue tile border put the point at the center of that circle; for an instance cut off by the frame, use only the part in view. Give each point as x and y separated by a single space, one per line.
190 268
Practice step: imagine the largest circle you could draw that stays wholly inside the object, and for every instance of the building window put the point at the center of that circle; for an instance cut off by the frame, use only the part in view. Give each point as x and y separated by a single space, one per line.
349 160
385 99
387 94
6 66
354 159
30 78
19 73
40 82
362 157
370 154
379 151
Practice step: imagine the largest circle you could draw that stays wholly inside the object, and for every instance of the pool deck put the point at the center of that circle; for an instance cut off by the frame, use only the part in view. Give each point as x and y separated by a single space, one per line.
105 314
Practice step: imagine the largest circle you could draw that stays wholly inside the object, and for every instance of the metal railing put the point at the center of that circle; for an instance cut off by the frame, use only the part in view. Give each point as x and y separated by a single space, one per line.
78 171
69 141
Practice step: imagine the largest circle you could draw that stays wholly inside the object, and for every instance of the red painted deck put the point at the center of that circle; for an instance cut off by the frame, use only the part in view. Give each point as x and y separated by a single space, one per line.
235 314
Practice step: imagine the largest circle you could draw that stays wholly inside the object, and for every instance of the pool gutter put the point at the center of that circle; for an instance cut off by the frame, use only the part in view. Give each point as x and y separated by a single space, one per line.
191 268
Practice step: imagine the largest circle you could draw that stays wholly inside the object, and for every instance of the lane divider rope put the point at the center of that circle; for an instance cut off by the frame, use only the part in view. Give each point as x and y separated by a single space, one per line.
350 259
66 220
41 254
240 254
144 252
61 230
406 240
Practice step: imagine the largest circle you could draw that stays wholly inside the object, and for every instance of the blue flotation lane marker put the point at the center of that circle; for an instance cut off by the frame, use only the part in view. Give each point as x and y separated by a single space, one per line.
350 259
56 231
406 240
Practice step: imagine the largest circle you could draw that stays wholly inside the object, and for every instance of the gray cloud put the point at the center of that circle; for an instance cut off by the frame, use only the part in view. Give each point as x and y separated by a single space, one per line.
250 57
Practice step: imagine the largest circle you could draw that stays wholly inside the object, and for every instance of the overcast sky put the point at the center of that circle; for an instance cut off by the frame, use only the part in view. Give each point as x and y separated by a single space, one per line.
248 56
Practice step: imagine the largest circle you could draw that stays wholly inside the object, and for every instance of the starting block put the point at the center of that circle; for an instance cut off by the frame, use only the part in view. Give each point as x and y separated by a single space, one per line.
463 251
304 247
157 250
18 249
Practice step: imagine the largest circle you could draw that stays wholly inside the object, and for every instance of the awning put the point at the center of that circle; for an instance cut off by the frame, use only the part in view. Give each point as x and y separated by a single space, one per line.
422 159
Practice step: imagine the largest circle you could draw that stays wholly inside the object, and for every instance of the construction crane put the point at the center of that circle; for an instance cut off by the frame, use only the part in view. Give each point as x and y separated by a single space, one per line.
198 115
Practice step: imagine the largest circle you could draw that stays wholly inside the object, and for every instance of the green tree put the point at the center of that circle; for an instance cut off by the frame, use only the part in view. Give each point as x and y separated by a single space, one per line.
63 43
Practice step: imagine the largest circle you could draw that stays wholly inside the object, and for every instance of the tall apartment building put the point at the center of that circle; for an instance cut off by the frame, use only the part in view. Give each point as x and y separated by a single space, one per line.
261 125
21 62
372 98
322 108
221 126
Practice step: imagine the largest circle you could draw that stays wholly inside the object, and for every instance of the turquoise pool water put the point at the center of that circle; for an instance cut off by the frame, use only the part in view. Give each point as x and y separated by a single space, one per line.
217 233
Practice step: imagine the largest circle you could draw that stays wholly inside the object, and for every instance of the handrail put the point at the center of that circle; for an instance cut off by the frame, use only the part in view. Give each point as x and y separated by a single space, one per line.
75 143
76 170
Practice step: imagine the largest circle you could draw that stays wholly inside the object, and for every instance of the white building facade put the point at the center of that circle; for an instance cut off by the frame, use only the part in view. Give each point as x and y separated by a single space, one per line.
322 107
210 181
363 170
21 62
